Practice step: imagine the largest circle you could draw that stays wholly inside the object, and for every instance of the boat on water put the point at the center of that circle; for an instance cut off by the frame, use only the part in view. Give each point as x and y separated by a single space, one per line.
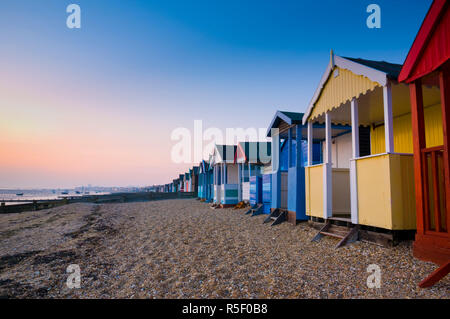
64 193
19 194
77 192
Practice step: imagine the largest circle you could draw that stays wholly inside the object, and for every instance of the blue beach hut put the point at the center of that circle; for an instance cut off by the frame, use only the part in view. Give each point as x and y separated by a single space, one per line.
225 175
289 157
251 158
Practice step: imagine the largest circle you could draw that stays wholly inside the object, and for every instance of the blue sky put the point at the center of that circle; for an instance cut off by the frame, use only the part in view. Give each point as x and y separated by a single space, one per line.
158 65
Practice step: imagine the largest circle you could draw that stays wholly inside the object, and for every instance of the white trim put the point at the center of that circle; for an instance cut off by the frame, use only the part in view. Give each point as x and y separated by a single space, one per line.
381 154
353 192
327 191
328 154
355 128
310 143
275 163
309 166
356 68
388 118
327 171
360 69
353 172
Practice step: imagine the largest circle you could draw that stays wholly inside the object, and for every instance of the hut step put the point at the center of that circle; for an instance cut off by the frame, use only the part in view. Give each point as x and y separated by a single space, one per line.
258 210
276 217
250 211
275 213
281 218
346 236
332 235
351 237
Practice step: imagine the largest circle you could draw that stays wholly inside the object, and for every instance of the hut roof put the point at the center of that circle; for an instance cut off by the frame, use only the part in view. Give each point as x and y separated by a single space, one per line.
284 118
431 47
253 152
224 154
376 71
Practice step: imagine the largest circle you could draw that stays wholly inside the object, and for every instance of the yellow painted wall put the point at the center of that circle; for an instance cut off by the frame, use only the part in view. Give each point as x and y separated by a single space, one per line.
314 191
374 191
340 89
403 192
386 191
403 132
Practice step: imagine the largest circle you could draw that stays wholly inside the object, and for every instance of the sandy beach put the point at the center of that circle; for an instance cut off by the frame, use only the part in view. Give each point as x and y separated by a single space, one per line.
184 249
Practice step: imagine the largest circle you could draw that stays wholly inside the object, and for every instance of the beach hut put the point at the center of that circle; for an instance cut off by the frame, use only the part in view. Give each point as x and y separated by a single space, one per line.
251 158
210 180
182 183
427 66
204 181
288 160
225 175
187 181
175 185
201 193
193 182
369 181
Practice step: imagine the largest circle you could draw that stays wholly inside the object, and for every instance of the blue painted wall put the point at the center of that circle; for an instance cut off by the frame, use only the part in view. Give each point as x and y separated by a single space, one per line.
255 190
293 161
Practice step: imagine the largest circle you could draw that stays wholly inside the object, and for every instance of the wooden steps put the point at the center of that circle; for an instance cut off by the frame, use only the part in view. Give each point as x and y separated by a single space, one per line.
346 235
276 217
255 210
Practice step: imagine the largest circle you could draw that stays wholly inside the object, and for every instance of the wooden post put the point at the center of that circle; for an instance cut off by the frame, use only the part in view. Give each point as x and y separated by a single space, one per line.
388 118
327 173
353 171
418 134
444 83
355 128
310 143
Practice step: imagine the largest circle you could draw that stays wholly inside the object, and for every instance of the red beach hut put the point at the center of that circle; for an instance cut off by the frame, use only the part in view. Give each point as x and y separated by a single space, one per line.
427 64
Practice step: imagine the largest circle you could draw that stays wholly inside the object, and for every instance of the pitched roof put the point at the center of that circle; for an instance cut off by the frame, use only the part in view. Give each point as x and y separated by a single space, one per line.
431 47
391 69
375 71
254 152
290 118
224 153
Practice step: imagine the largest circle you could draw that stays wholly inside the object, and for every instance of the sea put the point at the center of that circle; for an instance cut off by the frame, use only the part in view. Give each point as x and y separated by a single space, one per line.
30 195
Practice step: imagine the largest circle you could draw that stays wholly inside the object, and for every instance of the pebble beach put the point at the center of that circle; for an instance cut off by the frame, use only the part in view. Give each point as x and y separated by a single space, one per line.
184 249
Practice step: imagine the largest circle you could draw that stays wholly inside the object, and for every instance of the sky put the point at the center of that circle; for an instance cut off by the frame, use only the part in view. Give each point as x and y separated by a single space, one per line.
97 105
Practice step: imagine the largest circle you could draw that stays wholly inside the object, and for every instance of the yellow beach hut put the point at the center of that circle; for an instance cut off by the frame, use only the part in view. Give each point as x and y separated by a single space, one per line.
372 186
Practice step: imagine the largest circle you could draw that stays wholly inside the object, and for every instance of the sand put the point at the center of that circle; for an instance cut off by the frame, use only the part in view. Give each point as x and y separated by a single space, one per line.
184 249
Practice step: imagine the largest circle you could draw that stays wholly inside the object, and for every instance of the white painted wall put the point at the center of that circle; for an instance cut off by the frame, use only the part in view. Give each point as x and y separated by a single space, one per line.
246 191
341 151
232 170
